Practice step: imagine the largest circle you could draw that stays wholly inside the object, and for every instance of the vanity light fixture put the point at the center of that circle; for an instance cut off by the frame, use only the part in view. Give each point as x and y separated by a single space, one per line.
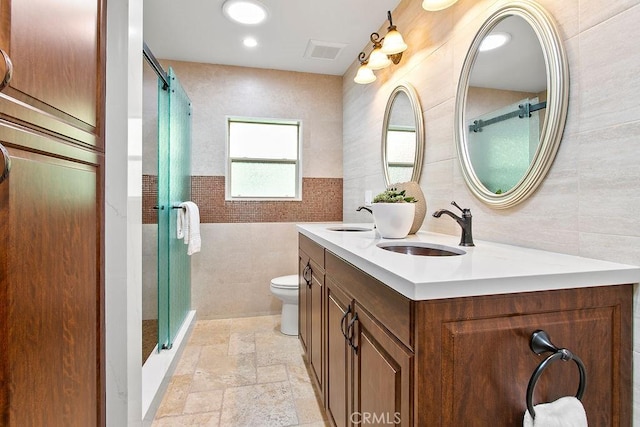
365 74
494 41
386 51
435 5
248 12
377 59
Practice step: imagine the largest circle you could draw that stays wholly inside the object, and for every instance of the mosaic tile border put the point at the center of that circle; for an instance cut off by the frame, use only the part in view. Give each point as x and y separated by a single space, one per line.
321 201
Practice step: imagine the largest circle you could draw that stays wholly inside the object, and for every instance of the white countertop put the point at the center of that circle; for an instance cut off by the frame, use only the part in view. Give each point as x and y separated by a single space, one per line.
485 269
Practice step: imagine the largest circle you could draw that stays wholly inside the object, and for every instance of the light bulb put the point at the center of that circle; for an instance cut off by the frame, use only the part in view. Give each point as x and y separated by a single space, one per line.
393 43
364 75
378 60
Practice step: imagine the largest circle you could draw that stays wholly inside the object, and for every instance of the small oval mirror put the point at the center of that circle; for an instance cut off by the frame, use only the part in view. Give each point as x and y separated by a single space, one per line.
402 136
511 104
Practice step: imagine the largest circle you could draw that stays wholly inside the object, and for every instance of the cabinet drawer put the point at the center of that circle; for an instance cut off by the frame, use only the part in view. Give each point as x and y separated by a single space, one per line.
391 309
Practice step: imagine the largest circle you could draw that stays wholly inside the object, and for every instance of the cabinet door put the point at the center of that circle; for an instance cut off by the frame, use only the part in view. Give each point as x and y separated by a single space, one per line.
51 317
56 49
383 370
316 326
475 362
304 298
338 385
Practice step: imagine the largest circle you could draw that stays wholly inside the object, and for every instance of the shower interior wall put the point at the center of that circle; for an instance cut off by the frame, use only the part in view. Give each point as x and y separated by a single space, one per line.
230 278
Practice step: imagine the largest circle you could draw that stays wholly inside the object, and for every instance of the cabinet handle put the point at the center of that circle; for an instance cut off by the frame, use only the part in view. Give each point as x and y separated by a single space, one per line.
307 274
350 330
342 322
8 70
6 164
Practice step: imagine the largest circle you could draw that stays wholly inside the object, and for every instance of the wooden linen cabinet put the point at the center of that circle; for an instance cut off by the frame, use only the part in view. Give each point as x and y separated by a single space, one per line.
52 72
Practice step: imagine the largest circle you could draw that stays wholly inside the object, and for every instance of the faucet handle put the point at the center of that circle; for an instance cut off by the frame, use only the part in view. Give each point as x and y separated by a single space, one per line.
456 205
464 211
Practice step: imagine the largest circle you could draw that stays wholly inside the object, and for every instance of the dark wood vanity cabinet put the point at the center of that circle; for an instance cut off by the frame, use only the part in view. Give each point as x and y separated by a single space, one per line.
369 369
474 361
467 361
311 306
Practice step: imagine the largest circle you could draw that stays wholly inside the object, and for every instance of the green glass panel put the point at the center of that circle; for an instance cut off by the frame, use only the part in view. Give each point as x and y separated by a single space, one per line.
502 151
179 191
163 216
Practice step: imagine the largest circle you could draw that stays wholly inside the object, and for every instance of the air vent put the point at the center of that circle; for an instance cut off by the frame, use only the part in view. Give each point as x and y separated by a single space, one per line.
323 50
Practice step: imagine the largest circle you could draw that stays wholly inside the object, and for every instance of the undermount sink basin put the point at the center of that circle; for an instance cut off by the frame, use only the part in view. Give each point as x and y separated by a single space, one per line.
421 249
348 228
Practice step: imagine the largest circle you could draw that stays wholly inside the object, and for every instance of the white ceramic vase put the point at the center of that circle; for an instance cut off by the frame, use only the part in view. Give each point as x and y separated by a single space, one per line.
393 220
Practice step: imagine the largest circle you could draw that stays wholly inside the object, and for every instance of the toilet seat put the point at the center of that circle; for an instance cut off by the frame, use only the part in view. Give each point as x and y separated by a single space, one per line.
285 282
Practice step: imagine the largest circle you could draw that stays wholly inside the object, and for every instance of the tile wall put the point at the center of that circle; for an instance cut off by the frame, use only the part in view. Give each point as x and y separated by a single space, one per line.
246 244
318 204
589 203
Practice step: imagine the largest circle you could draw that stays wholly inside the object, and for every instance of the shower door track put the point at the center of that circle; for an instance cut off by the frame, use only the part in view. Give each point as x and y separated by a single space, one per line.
151 59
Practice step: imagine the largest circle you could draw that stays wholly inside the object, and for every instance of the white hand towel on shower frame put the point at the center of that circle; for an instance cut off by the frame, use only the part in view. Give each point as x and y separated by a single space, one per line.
188 226
564 412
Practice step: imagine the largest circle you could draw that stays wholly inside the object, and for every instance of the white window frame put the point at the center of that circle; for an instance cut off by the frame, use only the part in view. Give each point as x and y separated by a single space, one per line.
229 160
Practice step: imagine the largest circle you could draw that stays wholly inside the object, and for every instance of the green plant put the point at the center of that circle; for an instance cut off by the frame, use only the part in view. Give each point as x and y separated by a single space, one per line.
392 195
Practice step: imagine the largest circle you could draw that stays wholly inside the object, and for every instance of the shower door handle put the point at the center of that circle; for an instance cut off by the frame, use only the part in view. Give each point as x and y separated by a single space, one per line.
8 71
5 164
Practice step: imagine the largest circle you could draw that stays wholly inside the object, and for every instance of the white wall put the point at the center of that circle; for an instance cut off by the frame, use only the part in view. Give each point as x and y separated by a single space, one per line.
122 214
589 203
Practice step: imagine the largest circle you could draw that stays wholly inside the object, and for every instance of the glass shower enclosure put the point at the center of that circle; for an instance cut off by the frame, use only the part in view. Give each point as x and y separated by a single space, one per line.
174 187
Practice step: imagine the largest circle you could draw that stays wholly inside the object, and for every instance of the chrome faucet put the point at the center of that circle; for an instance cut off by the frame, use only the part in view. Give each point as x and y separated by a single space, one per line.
466 239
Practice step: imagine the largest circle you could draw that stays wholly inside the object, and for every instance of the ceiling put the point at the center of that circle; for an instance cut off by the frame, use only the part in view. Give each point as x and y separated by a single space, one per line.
518 66
197 31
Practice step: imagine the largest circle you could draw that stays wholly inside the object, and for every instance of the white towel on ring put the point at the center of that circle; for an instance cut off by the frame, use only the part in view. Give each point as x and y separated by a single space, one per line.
188 226
564 412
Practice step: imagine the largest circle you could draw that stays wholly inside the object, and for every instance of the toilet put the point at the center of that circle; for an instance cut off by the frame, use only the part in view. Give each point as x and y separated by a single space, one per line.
286 289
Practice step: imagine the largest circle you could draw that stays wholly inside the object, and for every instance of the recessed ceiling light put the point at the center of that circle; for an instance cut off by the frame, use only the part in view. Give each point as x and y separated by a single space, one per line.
494 41
249 12
250 42
436 5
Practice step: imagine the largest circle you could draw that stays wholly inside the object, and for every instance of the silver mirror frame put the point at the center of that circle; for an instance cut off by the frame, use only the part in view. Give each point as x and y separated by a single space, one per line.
411 93
557 102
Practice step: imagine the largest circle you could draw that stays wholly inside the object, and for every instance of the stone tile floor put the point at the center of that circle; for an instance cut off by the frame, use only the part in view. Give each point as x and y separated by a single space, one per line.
240 372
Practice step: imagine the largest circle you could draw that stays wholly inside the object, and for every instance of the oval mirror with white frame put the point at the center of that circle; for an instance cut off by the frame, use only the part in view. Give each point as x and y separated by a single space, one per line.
511 104
402 136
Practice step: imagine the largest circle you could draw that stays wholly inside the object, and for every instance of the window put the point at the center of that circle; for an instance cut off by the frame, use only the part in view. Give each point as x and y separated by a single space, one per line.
401 152
263 159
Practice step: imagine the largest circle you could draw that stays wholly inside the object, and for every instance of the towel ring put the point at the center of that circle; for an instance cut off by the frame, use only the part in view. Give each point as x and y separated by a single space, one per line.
540 343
